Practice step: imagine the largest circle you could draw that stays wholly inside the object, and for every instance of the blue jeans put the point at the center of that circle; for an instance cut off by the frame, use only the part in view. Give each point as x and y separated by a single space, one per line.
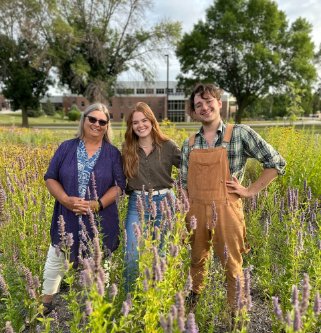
131 257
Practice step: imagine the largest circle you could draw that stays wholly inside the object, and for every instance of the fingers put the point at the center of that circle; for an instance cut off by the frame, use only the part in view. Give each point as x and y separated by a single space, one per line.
235 179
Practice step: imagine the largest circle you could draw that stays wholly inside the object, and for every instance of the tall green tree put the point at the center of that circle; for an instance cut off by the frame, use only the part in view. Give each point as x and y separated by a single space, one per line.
24 65
247 48
94 41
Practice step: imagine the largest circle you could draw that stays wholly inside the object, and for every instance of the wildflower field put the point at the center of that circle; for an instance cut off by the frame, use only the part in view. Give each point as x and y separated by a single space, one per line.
282 270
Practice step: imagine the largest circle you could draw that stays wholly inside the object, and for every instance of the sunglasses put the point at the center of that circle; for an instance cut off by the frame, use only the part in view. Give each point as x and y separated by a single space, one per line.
94 120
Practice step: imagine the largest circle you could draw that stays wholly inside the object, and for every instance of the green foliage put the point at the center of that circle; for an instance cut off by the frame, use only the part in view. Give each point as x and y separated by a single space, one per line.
74 113
90 50
34 113
316 101
300 150
24 65
294 106
282 229
246 48
48 108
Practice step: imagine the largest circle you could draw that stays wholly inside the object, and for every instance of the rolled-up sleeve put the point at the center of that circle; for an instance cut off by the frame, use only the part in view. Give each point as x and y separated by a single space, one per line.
258 148
54 165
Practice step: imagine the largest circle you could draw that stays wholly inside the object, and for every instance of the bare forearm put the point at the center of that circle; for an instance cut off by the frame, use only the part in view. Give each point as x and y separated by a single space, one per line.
74 204
111 196
56 190
263 181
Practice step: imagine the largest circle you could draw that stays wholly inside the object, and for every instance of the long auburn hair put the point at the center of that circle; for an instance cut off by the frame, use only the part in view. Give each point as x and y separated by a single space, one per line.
130 146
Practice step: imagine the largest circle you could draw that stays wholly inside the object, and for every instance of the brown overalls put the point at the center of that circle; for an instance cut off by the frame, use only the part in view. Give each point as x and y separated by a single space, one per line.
208 172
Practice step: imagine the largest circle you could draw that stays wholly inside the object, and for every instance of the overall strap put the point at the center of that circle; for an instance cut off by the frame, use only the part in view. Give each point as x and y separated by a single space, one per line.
227 135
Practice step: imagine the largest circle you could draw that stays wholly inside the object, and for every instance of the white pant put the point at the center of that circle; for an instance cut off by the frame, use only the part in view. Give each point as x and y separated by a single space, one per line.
53 272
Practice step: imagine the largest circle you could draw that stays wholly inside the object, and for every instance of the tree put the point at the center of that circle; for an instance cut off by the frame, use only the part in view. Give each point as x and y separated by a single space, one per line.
93 41
246 47
316 101
23 64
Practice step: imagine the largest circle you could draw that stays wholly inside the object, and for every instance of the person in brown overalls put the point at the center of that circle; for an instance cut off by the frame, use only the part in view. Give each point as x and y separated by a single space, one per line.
213 162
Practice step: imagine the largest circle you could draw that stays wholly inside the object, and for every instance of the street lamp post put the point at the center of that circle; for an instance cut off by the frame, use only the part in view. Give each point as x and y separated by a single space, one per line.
167 86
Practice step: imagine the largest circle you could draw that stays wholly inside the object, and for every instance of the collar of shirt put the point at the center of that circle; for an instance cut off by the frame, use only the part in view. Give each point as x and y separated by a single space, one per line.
218 133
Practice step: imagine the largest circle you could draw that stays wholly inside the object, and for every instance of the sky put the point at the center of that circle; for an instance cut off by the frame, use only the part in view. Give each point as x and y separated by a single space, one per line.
189 12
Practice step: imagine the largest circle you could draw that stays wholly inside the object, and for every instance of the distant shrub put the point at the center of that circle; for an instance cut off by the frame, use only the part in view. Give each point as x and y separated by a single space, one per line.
74 113
34 113
48 108
60 113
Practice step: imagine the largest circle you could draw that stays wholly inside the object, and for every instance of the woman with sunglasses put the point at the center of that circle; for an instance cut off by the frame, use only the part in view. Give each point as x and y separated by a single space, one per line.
85 174
148 158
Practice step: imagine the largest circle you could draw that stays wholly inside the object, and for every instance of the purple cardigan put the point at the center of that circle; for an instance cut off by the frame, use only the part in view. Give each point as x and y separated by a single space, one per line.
108 172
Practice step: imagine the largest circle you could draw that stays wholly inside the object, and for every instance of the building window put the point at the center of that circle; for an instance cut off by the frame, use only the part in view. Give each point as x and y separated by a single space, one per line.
176 116
160 91
122 115
140 91
160 116
111 115
82 103
176 105
125 91
179 90
170 90
149 91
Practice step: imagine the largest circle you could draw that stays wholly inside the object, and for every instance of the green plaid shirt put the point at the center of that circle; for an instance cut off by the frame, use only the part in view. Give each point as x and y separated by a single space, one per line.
245 143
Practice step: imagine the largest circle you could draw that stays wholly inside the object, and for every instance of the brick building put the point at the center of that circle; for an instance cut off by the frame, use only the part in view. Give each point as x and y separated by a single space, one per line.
172 105
4 103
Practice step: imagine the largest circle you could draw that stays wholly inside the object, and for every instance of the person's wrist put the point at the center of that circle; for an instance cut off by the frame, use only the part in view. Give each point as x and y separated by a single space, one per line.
94 206
100 205
64 200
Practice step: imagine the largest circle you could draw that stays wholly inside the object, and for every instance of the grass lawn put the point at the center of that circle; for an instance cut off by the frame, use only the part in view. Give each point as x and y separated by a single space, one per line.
14 119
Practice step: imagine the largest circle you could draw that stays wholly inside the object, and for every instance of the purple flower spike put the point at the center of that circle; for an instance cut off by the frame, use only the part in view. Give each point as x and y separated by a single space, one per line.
3 286
113 291
277 309
94 186
297 319
89 308
305 294
317 304
295 295
191 326
247 288
180 311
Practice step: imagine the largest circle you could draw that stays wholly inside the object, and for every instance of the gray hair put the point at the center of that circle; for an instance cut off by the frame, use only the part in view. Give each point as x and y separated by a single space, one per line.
90 108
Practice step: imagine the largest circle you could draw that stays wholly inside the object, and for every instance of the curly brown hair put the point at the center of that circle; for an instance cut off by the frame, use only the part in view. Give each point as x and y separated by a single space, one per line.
203 89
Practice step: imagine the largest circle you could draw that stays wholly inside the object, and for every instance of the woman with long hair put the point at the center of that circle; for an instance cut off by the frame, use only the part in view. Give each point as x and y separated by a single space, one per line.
148 158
